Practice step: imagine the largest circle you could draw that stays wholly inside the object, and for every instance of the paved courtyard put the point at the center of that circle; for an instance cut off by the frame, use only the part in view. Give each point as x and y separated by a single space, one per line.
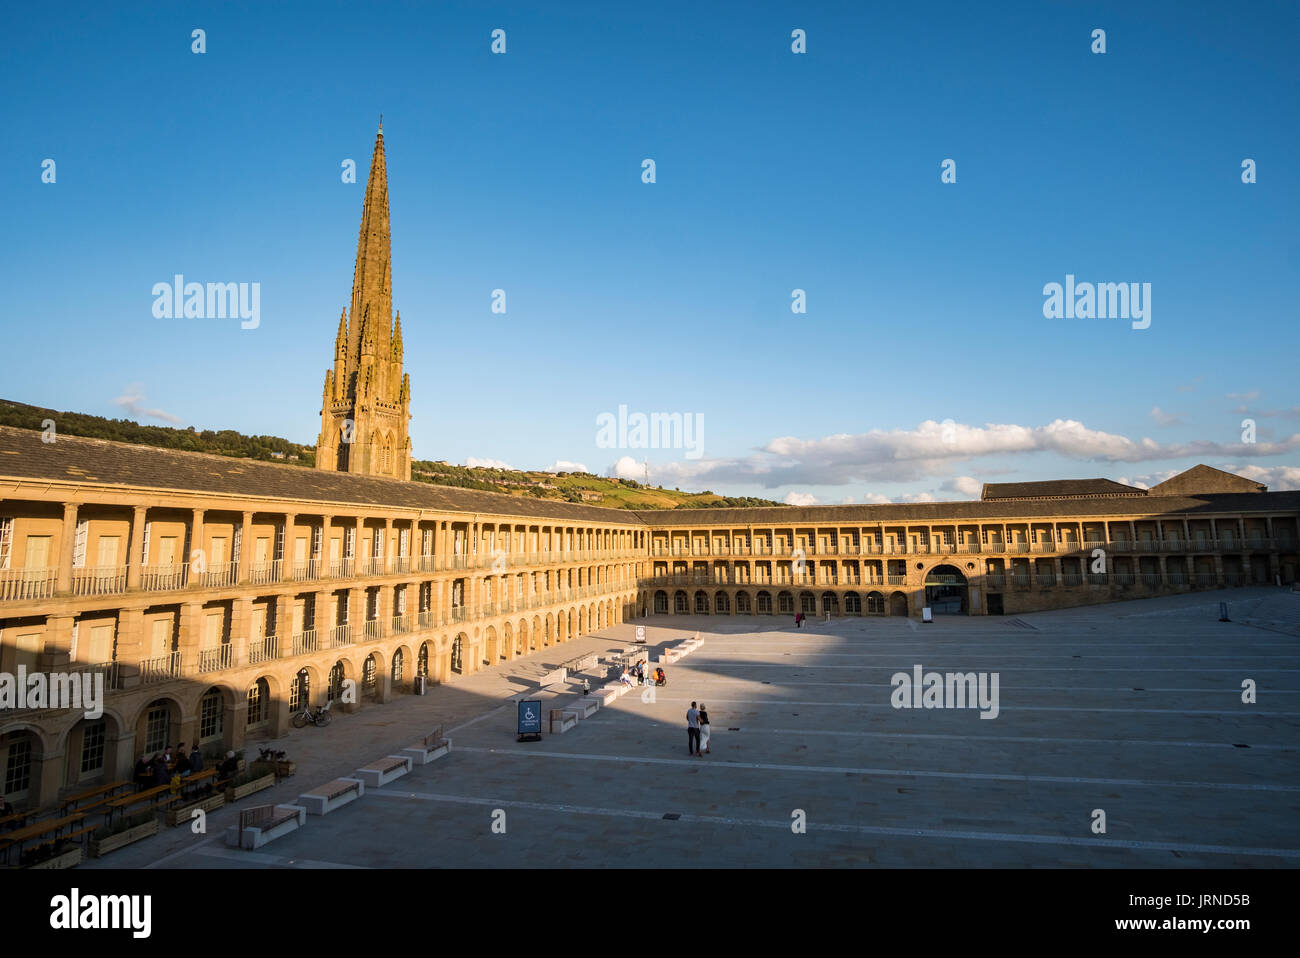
1134 709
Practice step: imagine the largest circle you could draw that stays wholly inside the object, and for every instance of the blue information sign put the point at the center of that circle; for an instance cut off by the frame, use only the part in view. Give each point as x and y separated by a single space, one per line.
530 717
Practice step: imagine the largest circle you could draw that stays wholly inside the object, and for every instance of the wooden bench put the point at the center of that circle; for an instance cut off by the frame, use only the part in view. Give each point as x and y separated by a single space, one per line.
160 792
324 799
432 747
102 794
562 721
382 771
38 832
265 823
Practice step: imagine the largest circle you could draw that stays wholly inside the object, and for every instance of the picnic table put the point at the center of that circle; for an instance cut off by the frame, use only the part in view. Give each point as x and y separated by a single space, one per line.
39 830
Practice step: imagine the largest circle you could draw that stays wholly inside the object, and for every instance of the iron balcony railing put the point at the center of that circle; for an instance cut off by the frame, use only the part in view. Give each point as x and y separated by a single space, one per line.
265 572
162 668
163 578
215 659
305 642
263 649
98 580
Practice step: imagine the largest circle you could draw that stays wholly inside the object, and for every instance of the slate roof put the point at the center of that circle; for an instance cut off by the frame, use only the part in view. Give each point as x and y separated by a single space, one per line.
1058 488
99 461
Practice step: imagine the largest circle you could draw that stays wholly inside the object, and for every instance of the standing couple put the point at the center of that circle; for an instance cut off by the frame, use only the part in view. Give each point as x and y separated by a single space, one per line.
697 730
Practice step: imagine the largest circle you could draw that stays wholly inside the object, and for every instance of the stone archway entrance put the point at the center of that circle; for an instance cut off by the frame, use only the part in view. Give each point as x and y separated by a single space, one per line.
946 591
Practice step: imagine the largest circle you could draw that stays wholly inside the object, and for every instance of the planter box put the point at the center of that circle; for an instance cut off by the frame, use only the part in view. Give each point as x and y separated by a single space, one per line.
69 859
283 769
179 814
101 847
248 788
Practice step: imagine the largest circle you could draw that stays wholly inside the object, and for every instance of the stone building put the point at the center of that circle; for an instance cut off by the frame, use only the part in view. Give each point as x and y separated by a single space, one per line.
218 596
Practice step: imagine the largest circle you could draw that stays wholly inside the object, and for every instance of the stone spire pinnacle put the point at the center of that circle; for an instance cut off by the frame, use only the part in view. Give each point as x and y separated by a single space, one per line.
372 295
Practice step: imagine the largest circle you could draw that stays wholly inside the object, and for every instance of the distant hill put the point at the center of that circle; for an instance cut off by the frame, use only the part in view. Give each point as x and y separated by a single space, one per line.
224 442
565 486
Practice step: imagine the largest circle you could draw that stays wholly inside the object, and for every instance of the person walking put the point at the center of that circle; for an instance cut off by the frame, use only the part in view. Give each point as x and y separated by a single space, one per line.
693 731
704 728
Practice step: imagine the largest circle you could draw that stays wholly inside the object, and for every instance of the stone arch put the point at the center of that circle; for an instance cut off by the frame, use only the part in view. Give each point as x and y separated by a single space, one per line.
29 743
491 646
661 602
743 604
681 605
153 735
460 651
90 749
898 603
875 603
721 603
507 641
700 605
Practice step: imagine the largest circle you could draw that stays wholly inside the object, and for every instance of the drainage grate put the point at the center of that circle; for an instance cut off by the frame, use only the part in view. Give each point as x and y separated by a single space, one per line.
734 729
672 816
1239 745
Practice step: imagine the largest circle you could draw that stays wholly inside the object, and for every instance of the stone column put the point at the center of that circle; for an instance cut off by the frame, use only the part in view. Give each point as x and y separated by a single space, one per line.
241 625
245 556
135 552
67 540
196 543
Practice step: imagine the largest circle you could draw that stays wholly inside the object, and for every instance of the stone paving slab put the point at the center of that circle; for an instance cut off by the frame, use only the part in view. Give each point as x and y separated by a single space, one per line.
1132 708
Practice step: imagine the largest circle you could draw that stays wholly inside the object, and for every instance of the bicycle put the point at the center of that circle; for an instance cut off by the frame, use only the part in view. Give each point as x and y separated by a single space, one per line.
320 717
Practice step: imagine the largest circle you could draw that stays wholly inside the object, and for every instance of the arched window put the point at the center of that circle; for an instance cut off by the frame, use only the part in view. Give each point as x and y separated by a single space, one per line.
211 716
300 693
398 663
368 674
336 682
422 660
259 704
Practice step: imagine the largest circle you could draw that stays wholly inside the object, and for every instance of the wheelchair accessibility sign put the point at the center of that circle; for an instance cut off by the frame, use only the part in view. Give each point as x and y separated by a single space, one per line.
530 719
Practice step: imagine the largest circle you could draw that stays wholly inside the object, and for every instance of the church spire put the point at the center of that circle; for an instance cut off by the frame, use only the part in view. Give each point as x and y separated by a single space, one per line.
365 407
372 295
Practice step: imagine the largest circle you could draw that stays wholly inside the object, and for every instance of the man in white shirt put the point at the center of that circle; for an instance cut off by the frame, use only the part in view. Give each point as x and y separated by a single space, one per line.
693 730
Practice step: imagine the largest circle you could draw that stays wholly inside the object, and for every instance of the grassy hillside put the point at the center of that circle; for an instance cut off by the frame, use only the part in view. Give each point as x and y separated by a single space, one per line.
566 486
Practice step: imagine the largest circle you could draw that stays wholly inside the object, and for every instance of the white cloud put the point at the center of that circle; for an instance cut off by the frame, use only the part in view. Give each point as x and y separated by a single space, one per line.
1277 478
1163 418
800 499
1249 397
131 398
915 497
475 463
931 449
627 468
563 465
964 485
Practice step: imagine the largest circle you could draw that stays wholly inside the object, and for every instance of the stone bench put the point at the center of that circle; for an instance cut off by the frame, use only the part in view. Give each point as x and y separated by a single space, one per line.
428 749
562 721
668 656
583 708
618 688
265 823
324 799
554 677
385 770
605 695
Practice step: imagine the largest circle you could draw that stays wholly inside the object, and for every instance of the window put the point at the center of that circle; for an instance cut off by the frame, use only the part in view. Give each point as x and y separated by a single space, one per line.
398 664
18 767
368 674
259 694
210 716
92 747
335 690
300 693
157 725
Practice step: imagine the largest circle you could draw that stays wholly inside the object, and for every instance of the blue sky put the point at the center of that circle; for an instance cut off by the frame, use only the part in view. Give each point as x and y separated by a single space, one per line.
775 171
